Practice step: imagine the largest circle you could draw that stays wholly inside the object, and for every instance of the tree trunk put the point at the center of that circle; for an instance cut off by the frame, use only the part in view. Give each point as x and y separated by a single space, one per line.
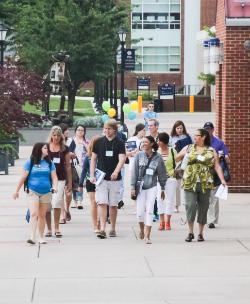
62 103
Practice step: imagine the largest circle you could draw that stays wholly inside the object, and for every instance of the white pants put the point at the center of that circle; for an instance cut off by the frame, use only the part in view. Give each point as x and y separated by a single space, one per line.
167 206
145 205
213 211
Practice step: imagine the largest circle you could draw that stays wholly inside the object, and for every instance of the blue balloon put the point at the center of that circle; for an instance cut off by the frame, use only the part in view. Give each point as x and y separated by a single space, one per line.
105 117
131 115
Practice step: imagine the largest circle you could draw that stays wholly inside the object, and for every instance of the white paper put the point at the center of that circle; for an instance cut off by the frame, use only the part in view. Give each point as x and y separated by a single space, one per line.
222 192
99 176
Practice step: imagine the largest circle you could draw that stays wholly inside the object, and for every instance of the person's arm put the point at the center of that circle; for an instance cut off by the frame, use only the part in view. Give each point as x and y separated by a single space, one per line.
162 174
181 154
218 169
54 180
92 167
134 174
114 175
68 171
20 183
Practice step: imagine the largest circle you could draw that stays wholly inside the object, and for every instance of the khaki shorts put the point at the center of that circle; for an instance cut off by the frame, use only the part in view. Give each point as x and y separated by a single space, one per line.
34 197
108 193
58 197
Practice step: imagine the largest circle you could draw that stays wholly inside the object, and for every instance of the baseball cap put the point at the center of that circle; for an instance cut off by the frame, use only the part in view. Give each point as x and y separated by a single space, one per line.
208 125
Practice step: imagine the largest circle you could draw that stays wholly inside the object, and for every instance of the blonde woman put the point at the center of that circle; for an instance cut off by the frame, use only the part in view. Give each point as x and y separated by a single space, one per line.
59 154
90 188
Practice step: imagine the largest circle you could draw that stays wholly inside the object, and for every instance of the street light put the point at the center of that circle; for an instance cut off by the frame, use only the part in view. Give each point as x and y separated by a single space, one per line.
122 36
3 32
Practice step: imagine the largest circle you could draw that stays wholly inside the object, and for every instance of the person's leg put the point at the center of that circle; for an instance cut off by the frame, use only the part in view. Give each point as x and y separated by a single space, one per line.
178 195
161 205
43 207
191 208
170 200
102 208
150 199
213 209
57 213
203 205
48 221
140 212
113 216
114 189
79 195
74 204
102 198
58 202
93 210
34 210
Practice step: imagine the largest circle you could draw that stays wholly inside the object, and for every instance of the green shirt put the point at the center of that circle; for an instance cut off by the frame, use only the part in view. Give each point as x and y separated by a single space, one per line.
169 163
199 169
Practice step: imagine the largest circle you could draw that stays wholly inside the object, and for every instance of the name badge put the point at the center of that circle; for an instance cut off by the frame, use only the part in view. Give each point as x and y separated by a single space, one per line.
56 160
109 153
149 171
201 158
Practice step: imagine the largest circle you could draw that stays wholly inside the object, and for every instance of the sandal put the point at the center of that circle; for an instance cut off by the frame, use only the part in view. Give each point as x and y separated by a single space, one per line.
48 234
68 216
162 226
62 221
58 234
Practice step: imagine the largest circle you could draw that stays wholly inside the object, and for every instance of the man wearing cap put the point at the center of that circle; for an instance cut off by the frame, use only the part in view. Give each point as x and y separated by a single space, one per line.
220 147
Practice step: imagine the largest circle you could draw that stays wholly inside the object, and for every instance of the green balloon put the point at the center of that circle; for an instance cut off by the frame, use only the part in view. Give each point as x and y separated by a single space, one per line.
126 108
106 105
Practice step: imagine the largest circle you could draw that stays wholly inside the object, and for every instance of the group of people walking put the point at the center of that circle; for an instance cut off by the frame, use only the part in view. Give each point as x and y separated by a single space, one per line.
159 165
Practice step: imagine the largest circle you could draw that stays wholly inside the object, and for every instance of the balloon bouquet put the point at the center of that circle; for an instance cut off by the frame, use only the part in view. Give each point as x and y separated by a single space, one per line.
128 109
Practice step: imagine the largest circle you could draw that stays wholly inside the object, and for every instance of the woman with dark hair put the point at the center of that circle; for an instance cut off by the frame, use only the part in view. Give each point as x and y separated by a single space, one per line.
178 140
134 142
166 207
78 146
147 169
39 178
59 154
198 159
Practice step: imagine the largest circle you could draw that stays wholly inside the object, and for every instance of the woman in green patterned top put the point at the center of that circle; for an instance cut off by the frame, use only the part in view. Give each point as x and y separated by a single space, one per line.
201 159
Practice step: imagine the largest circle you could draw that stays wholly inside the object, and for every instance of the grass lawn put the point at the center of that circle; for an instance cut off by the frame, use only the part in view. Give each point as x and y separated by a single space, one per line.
83 107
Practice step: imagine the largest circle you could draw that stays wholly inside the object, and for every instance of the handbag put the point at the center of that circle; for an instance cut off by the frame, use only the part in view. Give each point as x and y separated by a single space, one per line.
225 170
181 143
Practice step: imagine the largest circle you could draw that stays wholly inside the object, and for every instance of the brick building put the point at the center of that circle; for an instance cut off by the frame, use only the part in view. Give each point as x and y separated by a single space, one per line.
233 88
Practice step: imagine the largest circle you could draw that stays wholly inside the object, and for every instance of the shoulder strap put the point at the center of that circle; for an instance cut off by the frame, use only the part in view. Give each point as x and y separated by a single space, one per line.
172 152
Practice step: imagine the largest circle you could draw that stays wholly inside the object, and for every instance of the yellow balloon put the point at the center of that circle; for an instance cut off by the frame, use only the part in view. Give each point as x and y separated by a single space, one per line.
134 106
111 112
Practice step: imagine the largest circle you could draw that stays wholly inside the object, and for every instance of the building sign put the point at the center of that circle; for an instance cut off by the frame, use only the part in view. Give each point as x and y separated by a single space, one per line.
166 91
143 83
129 59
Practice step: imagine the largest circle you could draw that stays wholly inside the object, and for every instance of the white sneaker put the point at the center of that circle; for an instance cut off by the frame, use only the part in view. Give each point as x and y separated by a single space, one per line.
42 241
74 205
148 241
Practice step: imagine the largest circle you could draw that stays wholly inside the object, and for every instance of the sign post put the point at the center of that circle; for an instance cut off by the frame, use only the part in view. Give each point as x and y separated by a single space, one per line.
143 83
167 91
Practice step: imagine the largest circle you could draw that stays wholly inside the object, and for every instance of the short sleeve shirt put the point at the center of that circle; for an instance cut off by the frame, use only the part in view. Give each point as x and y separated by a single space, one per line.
39 179
108 155
58 159
219 145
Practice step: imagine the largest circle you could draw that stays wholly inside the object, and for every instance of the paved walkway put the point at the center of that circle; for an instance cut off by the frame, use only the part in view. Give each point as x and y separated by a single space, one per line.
80 268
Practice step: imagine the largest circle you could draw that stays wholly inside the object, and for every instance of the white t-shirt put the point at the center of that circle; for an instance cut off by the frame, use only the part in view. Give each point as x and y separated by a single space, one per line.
138 143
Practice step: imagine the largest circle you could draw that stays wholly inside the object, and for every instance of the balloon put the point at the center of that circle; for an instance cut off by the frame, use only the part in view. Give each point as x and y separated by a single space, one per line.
126 108
106 105
134 105
105 117
111 112
131 115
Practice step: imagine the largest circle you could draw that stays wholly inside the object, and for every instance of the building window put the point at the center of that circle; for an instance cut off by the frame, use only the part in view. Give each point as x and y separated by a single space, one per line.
157 59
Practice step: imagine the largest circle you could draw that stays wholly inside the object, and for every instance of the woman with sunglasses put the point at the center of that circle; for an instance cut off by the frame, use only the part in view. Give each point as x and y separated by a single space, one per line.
200 159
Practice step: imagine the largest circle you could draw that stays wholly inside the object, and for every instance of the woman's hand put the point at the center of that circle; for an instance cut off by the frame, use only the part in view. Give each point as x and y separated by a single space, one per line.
92 179
163 195
15 195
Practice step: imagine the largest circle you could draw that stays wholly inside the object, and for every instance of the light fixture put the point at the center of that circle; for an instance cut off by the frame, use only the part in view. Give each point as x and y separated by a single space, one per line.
3 32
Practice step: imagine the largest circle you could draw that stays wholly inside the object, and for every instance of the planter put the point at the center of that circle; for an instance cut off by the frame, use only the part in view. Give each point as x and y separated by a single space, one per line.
10 147
4 162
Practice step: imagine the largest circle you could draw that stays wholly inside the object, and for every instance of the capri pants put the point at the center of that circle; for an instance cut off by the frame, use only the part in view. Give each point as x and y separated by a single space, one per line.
145 205
167 206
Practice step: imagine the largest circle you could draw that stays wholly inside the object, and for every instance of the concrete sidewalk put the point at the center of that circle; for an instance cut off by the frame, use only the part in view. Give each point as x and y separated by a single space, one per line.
80 268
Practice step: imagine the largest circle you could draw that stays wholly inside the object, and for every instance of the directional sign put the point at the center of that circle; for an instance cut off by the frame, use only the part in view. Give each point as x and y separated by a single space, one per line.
166 91
143 83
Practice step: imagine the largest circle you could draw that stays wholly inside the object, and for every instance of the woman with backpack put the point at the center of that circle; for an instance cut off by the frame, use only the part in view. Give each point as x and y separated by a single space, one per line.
40 180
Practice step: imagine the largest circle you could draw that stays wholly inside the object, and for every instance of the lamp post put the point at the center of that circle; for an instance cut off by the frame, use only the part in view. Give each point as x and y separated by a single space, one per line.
122 37
3 32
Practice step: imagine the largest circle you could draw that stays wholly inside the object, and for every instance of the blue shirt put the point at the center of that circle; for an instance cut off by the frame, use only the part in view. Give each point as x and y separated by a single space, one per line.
40 176
218 145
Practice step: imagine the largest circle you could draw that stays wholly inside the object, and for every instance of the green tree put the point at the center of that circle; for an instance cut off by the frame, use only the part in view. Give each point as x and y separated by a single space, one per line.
86 30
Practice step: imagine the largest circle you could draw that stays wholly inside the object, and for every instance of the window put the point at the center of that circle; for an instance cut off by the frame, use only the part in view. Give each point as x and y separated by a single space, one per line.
157 59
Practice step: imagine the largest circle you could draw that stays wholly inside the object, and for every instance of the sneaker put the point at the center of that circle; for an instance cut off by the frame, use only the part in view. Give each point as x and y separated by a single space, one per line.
148 241
211 225
156 218
74 205
42 241
79 206
120 204
101 235
167 226
200 238
31 242
190 237
112 233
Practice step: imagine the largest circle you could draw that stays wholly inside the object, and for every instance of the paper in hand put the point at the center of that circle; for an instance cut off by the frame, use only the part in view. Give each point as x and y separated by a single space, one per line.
222 192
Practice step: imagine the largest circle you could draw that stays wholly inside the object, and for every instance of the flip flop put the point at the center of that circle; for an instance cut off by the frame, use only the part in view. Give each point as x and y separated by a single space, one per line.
48 234
62 221
58 234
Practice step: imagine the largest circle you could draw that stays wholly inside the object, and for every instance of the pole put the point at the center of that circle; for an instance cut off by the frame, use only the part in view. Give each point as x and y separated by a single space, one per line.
1 63
174 96
115 89
122 82
191 104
